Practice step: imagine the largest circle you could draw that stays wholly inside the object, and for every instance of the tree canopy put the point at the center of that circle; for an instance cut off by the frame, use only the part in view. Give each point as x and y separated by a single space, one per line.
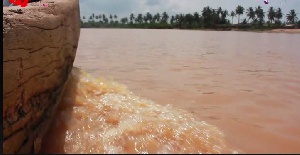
206 18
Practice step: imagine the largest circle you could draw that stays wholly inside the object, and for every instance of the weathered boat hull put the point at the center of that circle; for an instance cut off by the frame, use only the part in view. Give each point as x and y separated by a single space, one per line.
39 47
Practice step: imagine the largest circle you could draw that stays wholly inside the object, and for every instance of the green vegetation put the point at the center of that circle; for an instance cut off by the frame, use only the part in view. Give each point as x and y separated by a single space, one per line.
291 17
208 19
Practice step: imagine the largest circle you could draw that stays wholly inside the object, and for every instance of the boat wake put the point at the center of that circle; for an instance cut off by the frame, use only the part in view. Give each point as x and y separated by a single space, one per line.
99 116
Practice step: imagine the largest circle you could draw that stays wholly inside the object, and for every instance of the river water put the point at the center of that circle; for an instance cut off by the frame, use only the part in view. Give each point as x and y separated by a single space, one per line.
244 83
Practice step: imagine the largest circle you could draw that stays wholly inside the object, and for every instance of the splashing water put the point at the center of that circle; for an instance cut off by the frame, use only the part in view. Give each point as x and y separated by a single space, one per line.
99 116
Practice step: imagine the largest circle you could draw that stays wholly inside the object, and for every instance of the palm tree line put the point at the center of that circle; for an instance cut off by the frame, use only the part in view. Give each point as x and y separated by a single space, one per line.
207 18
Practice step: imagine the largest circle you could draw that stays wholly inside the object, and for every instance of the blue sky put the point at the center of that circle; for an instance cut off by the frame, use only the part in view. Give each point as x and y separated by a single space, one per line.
123 8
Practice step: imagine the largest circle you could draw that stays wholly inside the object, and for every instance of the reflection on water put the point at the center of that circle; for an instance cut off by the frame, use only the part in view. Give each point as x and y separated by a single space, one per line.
96 116
246 84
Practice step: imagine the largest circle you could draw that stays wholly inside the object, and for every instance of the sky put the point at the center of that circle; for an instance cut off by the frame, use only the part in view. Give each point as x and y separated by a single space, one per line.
123 8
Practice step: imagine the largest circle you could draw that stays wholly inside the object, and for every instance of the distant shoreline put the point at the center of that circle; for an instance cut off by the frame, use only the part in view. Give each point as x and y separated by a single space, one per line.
290 31
293 31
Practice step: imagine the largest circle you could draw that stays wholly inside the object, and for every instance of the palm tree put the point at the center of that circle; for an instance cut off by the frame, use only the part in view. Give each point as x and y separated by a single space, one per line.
180 19
149 16
103 16
291 17
124 20
215 17
177 19
158 17
196 18
111 18
223 16
207 14
172 19
116 21
250 14
139 18
105 20
82 22
239 11
219 10
164 18
189 18
278 15
232 14
154 18
91 20
131 18
145 19
260 14
271 14
100 16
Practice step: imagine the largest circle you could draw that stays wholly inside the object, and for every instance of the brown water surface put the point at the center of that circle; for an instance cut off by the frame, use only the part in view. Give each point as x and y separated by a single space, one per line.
246 84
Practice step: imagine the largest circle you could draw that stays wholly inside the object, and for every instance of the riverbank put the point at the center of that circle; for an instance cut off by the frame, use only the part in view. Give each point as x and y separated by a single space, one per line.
293 31
290 31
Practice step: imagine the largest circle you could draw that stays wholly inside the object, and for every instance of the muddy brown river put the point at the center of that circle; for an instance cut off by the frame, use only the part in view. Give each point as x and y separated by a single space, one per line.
246 84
